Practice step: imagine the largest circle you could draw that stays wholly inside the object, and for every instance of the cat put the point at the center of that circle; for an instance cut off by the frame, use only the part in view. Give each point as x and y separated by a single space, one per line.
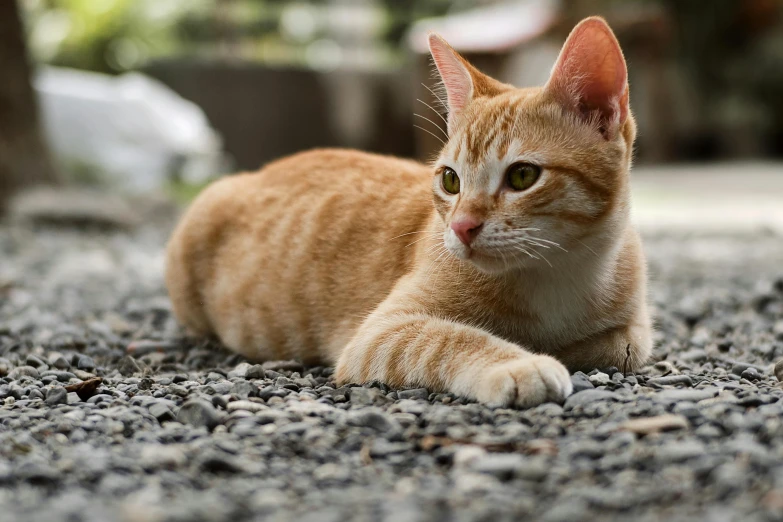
488 274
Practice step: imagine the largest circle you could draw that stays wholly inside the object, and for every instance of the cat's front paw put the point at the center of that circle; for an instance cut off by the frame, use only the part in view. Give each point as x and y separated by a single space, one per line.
524 382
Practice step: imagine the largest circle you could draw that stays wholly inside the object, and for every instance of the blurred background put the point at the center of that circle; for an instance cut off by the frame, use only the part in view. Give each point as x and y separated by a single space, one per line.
159 96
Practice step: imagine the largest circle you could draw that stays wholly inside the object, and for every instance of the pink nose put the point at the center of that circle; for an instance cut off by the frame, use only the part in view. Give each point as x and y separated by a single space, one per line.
466 229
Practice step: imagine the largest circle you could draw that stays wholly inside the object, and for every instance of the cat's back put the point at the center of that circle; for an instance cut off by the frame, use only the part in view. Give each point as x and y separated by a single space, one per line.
306 241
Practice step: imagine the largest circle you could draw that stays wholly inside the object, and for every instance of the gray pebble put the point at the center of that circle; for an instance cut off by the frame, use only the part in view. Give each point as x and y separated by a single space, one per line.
581 382
671 380
86 363
586 397
375 419
417 393
199 413
161 412
500 465
255 372
23 371
56 395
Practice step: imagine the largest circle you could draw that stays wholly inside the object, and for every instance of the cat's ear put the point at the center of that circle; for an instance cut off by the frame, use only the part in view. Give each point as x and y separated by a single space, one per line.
590 76
462 81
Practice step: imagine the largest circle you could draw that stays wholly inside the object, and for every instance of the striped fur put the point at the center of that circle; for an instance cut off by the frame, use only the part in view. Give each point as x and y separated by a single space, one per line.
347 258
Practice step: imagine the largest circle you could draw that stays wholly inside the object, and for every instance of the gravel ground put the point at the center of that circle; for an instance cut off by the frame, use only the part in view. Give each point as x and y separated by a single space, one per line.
107 414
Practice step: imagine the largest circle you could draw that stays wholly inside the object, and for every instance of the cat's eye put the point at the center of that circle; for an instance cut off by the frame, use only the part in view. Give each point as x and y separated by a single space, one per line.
522 176
450 181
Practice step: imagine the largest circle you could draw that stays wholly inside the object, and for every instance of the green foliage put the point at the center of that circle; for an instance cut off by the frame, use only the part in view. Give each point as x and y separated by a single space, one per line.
118 35
108 35
183 192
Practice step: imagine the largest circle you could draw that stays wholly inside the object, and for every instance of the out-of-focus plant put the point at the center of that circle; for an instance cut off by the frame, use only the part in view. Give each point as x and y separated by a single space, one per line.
109 35
118 35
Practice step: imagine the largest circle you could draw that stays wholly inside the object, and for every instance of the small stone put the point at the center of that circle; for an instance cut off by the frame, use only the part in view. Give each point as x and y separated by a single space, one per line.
161 412
331 471
295 428
168 456
86 363
240 371
375 419
35 362
23 371
61 363
60 375
694 355
37 472
416 393
587 397
244 389
600 379
283 366
500 465
779 370
670 380
220 463
56 395
752 375
581 382
679 452
256 371
179 391
246 405
567 511
680 395
363 396
198 412
648 425
381 448
740 367
73 398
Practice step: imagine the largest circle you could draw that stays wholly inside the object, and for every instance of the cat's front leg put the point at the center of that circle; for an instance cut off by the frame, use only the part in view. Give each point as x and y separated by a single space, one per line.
627 348
408 349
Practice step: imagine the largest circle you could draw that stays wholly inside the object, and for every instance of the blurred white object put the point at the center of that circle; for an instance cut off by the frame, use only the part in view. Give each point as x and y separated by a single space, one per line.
491 29
131 130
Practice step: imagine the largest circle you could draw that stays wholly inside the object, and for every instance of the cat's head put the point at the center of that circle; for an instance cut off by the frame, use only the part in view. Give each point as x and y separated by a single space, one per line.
529 174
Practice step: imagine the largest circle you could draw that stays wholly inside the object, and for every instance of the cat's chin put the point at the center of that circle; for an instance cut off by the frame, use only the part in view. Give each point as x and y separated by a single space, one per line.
486 263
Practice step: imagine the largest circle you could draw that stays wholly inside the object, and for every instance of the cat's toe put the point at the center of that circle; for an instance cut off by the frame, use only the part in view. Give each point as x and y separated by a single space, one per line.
525 382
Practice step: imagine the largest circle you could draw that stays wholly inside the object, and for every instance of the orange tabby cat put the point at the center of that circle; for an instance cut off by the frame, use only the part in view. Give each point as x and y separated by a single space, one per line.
486 274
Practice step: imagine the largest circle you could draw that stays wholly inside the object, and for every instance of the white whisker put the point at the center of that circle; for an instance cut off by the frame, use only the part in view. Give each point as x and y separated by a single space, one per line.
409 233
553 243
434 266
436 125
433 110
421 239
534 242
588 248
430 133
542 256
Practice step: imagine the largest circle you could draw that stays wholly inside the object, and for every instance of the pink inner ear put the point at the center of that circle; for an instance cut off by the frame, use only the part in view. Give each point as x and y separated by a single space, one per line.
456 78
591 73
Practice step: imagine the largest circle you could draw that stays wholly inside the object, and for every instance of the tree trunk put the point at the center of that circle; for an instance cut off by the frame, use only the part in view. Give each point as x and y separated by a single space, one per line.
24 158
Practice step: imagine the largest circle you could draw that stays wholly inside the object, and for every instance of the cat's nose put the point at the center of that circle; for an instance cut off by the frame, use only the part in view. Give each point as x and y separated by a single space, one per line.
466 229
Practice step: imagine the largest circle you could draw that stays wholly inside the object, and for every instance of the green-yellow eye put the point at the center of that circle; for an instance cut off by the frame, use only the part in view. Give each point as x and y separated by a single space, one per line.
450 181
522 176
